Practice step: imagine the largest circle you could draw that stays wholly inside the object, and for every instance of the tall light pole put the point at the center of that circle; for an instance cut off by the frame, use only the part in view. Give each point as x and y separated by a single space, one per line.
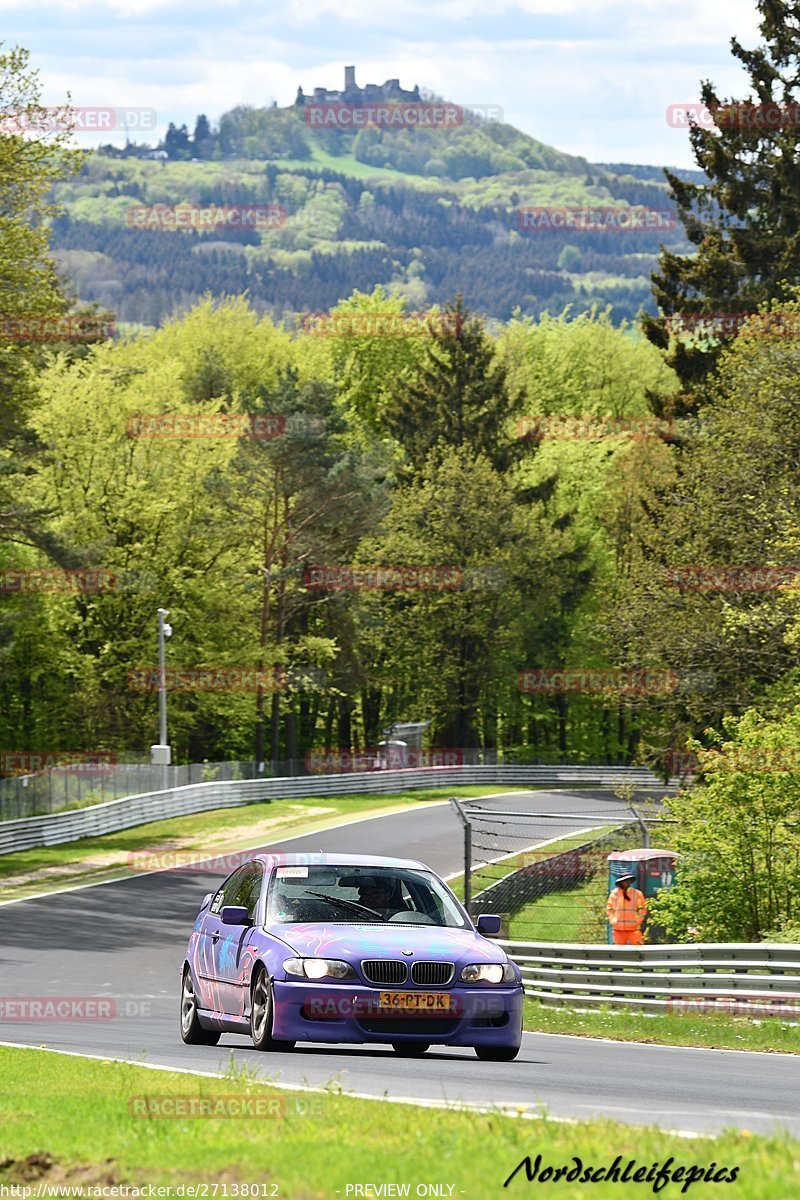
161 754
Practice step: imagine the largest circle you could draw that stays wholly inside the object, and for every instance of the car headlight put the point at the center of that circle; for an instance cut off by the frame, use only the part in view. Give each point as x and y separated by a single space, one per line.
488 973
319 968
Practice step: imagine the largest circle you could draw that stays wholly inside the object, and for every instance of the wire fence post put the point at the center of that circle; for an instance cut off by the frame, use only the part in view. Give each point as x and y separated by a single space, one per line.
467 852
642 826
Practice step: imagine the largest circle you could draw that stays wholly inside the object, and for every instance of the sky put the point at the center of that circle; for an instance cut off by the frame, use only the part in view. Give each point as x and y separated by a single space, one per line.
591 78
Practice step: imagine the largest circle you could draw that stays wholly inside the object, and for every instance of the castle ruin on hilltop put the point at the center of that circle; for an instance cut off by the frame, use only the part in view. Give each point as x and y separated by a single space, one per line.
373 93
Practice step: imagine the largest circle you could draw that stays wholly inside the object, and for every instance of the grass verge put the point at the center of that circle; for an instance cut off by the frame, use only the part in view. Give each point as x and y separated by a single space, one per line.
768 1035
217 831
71 1121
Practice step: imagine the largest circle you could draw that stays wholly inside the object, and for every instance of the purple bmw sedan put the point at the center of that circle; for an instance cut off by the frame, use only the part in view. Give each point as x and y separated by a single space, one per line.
347 948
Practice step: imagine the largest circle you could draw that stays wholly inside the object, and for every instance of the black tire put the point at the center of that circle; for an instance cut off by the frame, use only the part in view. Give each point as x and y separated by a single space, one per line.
192 1031
410 1049
497 1053
261 1005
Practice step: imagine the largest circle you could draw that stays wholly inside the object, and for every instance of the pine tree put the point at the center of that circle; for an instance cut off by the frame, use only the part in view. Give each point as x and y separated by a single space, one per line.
458 396
745 222
202 139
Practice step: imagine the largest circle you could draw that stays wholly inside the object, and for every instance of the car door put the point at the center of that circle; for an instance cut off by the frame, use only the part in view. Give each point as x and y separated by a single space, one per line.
236 950
207 965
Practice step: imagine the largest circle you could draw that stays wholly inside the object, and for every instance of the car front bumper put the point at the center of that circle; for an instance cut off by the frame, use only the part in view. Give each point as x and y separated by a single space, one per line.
342 1012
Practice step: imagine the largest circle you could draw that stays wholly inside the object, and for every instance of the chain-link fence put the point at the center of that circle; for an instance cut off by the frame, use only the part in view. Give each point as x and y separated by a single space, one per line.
82 784
548 872
94 779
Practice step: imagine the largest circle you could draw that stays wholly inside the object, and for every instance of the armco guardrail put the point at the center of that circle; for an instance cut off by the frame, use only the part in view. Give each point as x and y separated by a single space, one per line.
113 815
757 979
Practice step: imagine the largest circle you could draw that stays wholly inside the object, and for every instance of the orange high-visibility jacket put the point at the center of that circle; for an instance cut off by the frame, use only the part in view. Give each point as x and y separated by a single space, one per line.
626 912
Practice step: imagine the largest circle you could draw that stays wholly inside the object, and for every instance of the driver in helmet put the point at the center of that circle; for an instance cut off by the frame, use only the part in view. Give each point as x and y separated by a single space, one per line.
377 892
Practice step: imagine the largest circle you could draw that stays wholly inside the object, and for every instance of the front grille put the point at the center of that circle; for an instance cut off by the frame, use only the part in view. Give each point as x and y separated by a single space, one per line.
421 1027
384 970
432 974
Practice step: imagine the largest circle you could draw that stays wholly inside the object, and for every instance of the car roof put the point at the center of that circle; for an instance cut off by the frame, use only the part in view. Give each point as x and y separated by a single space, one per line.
318 859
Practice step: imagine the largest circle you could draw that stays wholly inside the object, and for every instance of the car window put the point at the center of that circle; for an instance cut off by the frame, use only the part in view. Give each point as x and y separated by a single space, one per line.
248 890
346 894
228 890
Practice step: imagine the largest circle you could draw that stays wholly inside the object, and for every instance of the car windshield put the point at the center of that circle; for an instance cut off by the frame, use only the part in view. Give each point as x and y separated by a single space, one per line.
400 895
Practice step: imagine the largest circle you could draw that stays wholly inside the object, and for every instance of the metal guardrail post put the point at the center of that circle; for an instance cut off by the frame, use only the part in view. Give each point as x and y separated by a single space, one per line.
467 852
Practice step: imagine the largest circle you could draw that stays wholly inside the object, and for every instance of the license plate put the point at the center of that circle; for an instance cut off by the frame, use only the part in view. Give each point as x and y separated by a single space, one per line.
416 1001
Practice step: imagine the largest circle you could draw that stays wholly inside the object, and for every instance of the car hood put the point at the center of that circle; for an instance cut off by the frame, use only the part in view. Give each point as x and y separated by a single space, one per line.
357 941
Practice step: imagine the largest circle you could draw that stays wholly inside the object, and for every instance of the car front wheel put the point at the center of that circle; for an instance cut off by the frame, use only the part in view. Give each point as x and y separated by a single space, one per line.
192 1031
497 1053
261 1009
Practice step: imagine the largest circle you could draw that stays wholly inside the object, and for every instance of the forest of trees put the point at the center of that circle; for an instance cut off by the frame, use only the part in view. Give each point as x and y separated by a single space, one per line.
341 235
396 451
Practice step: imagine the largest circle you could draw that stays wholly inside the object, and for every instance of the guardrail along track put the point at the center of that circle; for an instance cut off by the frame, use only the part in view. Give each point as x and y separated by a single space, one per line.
761 978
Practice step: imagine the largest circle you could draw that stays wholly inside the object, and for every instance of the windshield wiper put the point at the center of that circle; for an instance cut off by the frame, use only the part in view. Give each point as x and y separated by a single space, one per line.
349 904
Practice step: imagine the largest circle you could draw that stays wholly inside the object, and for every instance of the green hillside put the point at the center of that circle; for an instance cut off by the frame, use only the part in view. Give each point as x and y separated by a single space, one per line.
427 212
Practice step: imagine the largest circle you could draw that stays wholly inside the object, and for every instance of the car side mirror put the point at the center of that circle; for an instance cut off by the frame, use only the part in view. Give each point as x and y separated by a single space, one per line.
234 914
488 924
